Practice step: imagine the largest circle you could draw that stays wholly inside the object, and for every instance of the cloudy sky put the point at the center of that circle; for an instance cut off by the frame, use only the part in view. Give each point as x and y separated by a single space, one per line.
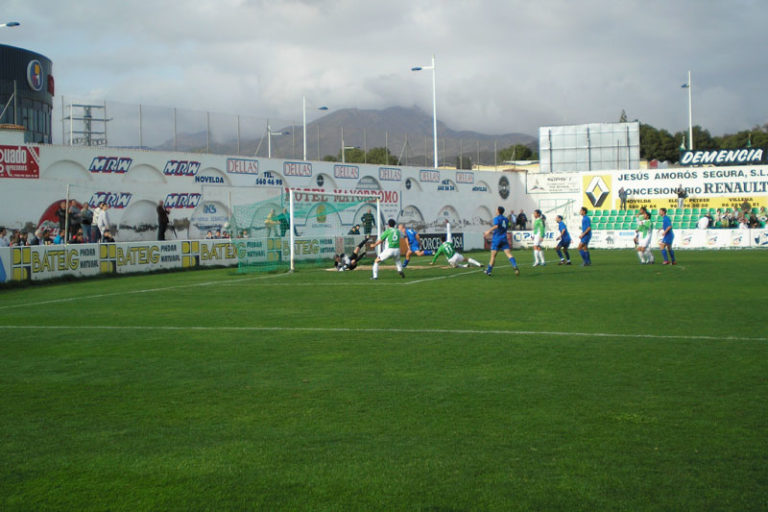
502 65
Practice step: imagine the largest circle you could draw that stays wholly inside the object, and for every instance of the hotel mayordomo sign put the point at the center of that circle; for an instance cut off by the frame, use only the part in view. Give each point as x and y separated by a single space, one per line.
19 162
743 156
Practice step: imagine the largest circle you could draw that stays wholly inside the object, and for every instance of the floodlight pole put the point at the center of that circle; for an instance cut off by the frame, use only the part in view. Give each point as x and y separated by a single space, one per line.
304 123
291 227
434 103
690 115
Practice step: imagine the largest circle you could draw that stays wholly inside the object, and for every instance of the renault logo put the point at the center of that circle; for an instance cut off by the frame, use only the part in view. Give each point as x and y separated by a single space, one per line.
597 191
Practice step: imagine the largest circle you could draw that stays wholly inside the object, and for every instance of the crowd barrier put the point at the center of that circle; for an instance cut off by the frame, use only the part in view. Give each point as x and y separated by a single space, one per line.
81 260
684 239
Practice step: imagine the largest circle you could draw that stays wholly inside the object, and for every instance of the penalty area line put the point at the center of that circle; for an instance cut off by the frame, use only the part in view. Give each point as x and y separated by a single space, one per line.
380 330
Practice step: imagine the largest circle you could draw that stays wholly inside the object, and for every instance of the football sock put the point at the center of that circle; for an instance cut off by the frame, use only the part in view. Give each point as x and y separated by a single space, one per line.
405 263
649 255
428 252
488 270
567 256
664 254
671 254
512 261
559 254
474 262
583 255
375 270
641 256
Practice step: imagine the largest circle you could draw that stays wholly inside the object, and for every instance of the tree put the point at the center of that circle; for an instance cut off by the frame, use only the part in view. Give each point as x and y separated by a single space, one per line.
381 156
463 162
516 152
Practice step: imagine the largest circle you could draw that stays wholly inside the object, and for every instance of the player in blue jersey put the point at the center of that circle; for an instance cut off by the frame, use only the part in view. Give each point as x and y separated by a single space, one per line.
667 237
563 241
414 244
499 241
585 237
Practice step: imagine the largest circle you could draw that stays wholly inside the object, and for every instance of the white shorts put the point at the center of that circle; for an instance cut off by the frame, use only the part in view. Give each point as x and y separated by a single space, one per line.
537 240
389 253
455 259
644 243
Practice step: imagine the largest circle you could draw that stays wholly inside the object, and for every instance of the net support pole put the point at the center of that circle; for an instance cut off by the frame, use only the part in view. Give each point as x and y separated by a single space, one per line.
378 225
66 217
291 226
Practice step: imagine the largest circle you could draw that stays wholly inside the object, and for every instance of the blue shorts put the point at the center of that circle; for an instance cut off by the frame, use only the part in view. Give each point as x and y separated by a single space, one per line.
563 244
500 244
586 240
668 239
415 247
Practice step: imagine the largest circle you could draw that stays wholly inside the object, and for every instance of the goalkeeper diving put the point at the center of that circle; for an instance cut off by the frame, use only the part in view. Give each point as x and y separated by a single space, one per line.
454 257
344 262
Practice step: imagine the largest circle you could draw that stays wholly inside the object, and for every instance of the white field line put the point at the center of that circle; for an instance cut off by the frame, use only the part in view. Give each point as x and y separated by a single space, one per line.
211 283
381 330
133 292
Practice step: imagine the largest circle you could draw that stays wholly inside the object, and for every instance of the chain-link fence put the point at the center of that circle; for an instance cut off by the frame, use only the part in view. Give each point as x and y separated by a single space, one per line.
117 124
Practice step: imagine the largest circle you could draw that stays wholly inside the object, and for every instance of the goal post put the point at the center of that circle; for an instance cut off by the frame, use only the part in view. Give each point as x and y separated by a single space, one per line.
300 228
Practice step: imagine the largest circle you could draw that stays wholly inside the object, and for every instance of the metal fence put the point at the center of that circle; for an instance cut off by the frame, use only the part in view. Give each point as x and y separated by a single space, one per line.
117 124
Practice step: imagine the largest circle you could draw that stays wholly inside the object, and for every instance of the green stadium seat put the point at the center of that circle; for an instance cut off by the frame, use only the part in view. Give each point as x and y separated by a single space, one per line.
654 212
632 212
694 211
614 213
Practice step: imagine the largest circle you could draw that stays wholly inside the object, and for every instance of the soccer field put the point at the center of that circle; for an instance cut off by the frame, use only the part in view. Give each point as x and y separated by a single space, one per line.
612 387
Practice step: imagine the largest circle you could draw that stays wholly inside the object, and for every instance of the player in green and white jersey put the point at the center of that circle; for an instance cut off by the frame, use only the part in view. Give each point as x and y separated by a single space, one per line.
643 235
538 236
390 239
455 258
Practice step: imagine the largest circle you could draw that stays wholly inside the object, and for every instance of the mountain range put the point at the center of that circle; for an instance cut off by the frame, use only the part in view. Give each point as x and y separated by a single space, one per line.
406 132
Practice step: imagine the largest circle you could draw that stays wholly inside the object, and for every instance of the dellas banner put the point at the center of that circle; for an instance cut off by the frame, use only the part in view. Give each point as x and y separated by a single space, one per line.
19 162
705 187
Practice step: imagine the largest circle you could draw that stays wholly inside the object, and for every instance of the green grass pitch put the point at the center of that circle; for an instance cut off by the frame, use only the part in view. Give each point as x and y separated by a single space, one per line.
612 387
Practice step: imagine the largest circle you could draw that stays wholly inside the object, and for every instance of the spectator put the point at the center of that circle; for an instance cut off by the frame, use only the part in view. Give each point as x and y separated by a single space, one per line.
104 226
95 229
522 220
162 220
762 216
512 218
4 242
703 222
61 214
743 223
74 217
368 221
218 234
209 235
107 237
86 219
623 198
753 222
681 195
355 230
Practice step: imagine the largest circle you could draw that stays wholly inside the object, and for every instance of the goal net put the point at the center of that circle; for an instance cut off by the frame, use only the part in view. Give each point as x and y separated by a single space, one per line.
298 228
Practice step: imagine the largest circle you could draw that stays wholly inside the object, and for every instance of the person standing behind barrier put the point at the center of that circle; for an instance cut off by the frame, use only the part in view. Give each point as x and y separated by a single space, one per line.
86 220
95 229
681 195
162 220
104 220
368 221
623 198
667 237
